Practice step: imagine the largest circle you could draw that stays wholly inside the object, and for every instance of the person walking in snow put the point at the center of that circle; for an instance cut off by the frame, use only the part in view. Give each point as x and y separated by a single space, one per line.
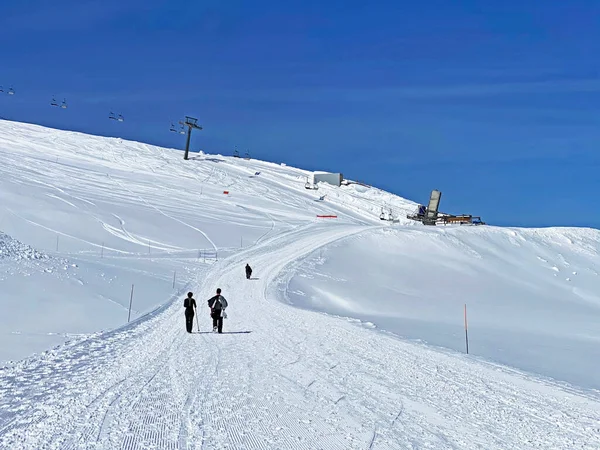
217 305
189 304
248 271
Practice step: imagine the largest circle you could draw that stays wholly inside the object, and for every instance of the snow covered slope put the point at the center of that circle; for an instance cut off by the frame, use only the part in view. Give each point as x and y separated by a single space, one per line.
126 214
98 215
532 295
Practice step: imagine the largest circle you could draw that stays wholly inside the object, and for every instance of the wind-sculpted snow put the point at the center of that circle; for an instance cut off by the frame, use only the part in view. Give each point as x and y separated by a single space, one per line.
533 295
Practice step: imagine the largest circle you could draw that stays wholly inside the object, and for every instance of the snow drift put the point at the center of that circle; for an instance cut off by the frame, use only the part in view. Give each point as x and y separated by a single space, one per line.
531 294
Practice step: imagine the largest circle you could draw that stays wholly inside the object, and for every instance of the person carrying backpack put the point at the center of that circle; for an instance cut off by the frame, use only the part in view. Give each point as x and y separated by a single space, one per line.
248 271
189 304
217 305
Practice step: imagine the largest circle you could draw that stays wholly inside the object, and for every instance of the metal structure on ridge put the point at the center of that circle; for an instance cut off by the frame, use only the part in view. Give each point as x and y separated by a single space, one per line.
191 123
430 214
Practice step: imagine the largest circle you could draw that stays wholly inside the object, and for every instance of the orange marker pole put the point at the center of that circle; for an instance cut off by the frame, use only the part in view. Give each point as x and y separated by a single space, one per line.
466 330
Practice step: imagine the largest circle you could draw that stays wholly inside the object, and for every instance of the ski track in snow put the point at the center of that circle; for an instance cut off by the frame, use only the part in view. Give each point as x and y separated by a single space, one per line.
285 378
167 215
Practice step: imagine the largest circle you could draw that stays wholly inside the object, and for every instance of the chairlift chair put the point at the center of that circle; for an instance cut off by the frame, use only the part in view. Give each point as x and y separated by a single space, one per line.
120 118
247 155
236 154
53 102
181 130
173 129
1 89
111 116
11 91
64 104
386 215
309 185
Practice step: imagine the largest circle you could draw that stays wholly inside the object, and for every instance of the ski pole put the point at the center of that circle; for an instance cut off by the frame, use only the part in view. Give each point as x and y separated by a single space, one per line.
197 323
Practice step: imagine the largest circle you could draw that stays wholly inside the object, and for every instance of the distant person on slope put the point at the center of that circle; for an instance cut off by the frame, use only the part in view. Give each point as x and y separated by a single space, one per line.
248 271
189 304
217 305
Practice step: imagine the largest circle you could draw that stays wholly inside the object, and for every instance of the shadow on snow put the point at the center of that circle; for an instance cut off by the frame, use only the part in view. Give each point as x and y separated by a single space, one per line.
224 332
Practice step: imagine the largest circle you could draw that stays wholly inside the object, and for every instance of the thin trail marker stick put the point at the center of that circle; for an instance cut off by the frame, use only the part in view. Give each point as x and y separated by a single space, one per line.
466 330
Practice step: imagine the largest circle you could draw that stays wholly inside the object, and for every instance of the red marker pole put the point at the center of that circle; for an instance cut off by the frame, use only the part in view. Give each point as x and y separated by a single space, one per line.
466 330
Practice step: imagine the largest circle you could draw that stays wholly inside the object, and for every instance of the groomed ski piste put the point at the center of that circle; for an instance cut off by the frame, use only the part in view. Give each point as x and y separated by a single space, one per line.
334 343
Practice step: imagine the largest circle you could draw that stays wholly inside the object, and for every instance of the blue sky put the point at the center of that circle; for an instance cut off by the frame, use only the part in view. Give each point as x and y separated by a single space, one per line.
493 103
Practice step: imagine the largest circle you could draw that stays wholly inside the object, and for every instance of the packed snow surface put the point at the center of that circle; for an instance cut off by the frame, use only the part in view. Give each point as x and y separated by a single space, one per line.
348 336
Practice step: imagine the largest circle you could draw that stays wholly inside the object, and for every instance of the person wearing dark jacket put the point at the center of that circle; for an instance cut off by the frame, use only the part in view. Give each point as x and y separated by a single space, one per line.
189 304
217 305
248 271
